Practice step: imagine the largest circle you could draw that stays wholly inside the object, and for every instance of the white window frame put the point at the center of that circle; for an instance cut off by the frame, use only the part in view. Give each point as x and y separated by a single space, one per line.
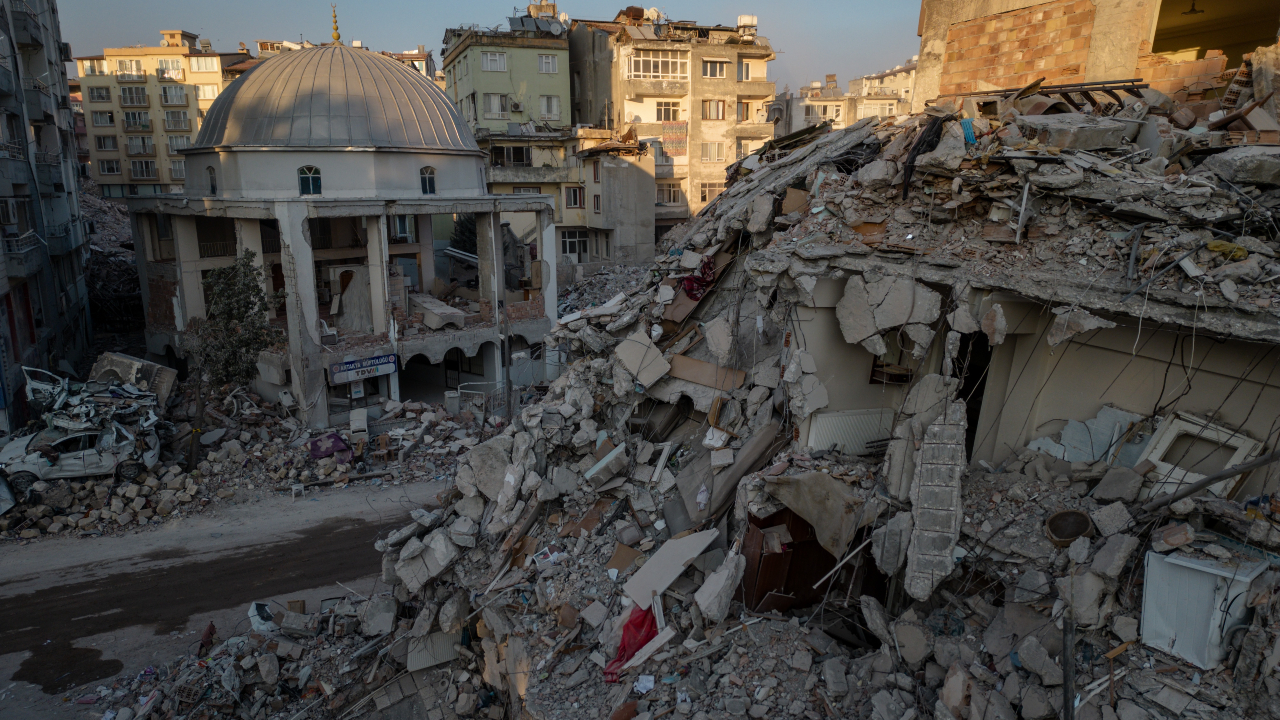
710 191
575 191
178 143
669 108
549 107
207 91
658 65
715 69
137 96
178 169
100 140
548 64
110 118
717 154
499 101
173 95
206 64
744 71
108 167
493 61
574 245
99 94
95 67
670 193
140 144
129 70
135 164
183 121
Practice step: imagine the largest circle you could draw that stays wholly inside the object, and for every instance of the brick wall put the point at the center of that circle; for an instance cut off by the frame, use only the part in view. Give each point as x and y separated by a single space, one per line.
1049 41
160 295
1176 79
527 310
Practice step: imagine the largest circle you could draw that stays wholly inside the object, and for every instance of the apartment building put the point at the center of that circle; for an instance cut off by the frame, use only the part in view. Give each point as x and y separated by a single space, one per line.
884 93
44 313
879 95
512 88
697 95
144 105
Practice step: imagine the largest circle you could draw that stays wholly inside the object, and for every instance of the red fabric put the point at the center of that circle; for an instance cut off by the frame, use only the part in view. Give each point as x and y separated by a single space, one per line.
641 627
696 285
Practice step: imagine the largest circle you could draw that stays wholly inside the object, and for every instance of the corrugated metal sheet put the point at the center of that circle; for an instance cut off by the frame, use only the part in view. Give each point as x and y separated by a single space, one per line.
432 650
849 430
335 96
1188 604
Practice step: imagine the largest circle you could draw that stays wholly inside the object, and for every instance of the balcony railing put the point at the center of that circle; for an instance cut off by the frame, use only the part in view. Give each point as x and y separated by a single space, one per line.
177 174
130 77
883 92
14 150
27 241
143 174
141 150
169 100
33 84
177 124
47 158
59 231
137 126
225 248
170 74
142 101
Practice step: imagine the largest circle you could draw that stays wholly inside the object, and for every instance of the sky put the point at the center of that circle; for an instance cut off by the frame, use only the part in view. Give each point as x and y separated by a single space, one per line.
813 37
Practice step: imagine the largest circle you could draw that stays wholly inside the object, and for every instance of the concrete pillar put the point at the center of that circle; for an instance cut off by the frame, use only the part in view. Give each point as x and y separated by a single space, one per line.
485 227
249 237
296 259
427 252
186 247
548 253
393 386
377 249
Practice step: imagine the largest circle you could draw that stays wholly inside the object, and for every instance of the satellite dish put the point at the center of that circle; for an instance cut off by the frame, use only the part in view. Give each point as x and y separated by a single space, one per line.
652 14
164 43
556 28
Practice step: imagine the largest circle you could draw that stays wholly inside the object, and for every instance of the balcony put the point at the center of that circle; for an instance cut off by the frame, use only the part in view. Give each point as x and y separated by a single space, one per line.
177 124
13 151
48 158
178 175
656 88
125 77
144 175
22 254
7 86
170 75
39 100
137 127
60 239
141 100
170 101
26 26
529 175
882 92
148 150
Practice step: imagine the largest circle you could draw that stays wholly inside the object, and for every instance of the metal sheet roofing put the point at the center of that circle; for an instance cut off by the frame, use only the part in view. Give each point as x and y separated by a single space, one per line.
334 96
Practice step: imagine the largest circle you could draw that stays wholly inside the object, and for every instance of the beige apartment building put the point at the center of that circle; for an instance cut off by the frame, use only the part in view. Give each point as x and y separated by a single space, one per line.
144 105
697 95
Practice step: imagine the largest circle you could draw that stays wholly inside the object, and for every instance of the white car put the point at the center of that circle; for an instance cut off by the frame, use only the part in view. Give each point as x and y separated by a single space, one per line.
55 454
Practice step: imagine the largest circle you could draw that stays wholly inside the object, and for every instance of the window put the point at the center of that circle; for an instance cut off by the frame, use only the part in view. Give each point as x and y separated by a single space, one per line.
308 180
178 143
659 156
95 67
595 202
205 64
178 169
595 170
659 65
668 111
127 70
512 156
744 112
134 96
137 120
495 106
428 177
206 92
744 148
670 193
573 245
173 94
711 190
526 190
141 145
213 180
108 167
176 120
99 94
714 68
713 152
169 69
493 62
106 142
548 64
744 71
573 197
712 109
143 169
549 107
402 228
602 247
104 118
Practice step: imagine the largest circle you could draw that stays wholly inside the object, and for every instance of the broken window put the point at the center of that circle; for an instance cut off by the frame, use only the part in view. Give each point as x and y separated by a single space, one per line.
512 156
270 233
402 229
308 180
163 247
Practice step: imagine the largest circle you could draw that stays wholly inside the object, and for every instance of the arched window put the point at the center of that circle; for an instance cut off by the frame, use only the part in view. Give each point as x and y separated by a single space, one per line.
308 180
428 181
213 180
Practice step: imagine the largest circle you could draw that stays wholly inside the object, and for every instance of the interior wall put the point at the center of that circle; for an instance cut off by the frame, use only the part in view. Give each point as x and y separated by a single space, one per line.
1236 28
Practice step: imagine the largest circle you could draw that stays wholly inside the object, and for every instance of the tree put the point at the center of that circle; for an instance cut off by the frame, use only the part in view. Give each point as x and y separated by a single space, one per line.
226 342
464 233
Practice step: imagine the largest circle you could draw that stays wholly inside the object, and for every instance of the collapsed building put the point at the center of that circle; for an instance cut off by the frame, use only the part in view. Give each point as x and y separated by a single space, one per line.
966 414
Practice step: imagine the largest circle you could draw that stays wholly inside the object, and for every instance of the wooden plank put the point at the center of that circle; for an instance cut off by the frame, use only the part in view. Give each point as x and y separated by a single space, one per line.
705 373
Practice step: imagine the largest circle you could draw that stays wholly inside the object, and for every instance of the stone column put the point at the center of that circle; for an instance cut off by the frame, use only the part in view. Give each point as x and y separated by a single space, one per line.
309 380
249 237
186 248
377 252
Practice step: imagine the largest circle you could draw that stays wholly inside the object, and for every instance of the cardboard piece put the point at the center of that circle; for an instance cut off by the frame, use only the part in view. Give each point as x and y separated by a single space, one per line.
623 557
666 565
705 373
642 358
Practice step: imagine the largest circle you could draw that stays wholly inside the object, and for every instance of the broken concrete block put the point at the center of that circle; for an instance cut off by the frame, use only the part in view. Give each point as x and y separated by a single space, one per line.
1120 483
1111 519
1036 704
935 501
854 312
1034 658
1069 324
921 336
1128 710
440 552
1111 559
437 314
877 174
913 641
802 660
269 668
716 593
889 543
877 621
1074 131
875 345
594 614
994 325
719 339
1248 165
721 458
961 321
1088 596
766 372
377 615
900 300
1078 551
833 673
489 461
954 691
1125 628
1033 585
949 153
761 213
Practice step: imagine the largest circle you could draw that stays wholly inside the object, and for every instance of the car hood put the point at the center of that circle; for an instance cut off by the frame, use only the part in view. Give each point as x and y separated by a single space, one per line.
15 450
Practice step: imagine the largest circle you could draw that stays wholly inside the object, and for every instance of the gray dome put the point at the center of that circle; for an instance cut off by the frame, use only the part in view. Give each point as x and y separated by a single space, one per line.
336 97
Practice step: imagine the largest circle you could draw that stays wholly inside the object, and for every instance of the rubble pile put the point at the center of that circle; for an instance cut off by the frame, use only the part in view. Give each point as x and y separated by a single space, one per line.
111 273
603 285
649 537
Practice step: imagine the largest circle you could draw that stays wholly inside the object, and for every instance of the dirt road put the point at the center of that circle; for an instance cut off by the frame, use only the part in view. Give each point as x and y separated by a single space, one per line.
79 612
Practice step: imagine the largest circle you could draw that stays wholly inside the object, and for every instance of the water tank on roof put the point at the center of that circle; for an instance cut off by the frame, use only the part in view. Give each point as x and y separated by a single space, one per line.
747 21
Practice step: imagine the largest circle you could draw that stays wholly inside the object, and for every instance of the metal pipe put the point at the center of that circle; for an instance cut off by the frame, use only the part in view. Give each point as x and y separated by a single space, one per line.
1166 269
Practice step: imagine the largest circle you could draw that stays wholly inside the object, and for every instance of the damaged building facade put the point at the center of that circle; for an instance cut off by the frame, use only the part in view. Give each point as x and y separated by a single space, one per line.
336 201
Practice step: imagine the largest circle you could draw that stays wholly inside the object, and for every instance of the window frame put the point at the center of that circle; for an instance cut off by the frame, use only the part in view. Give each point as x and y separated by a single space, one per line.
309 182
196 62
718 146
182 143
98 141
668 111
111 118
581 248
668 190
595 201
545 61
504 103
710 68
744 111
713 109
427 177
99 94
212 176
180 90
715 189
544 104
489 59
135 164
575 197
203 90
650 64
173 165
113 162
595 170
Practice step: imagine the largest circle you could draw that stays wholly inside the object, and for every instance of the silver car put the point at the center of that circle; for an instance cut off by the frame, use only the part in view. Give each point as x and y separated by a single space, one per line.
55 454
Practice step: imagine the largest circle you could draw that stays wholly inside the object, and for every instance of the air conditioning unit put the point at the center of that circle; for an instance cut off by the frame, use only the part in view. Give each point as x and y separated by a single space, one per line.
9 212
517 107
